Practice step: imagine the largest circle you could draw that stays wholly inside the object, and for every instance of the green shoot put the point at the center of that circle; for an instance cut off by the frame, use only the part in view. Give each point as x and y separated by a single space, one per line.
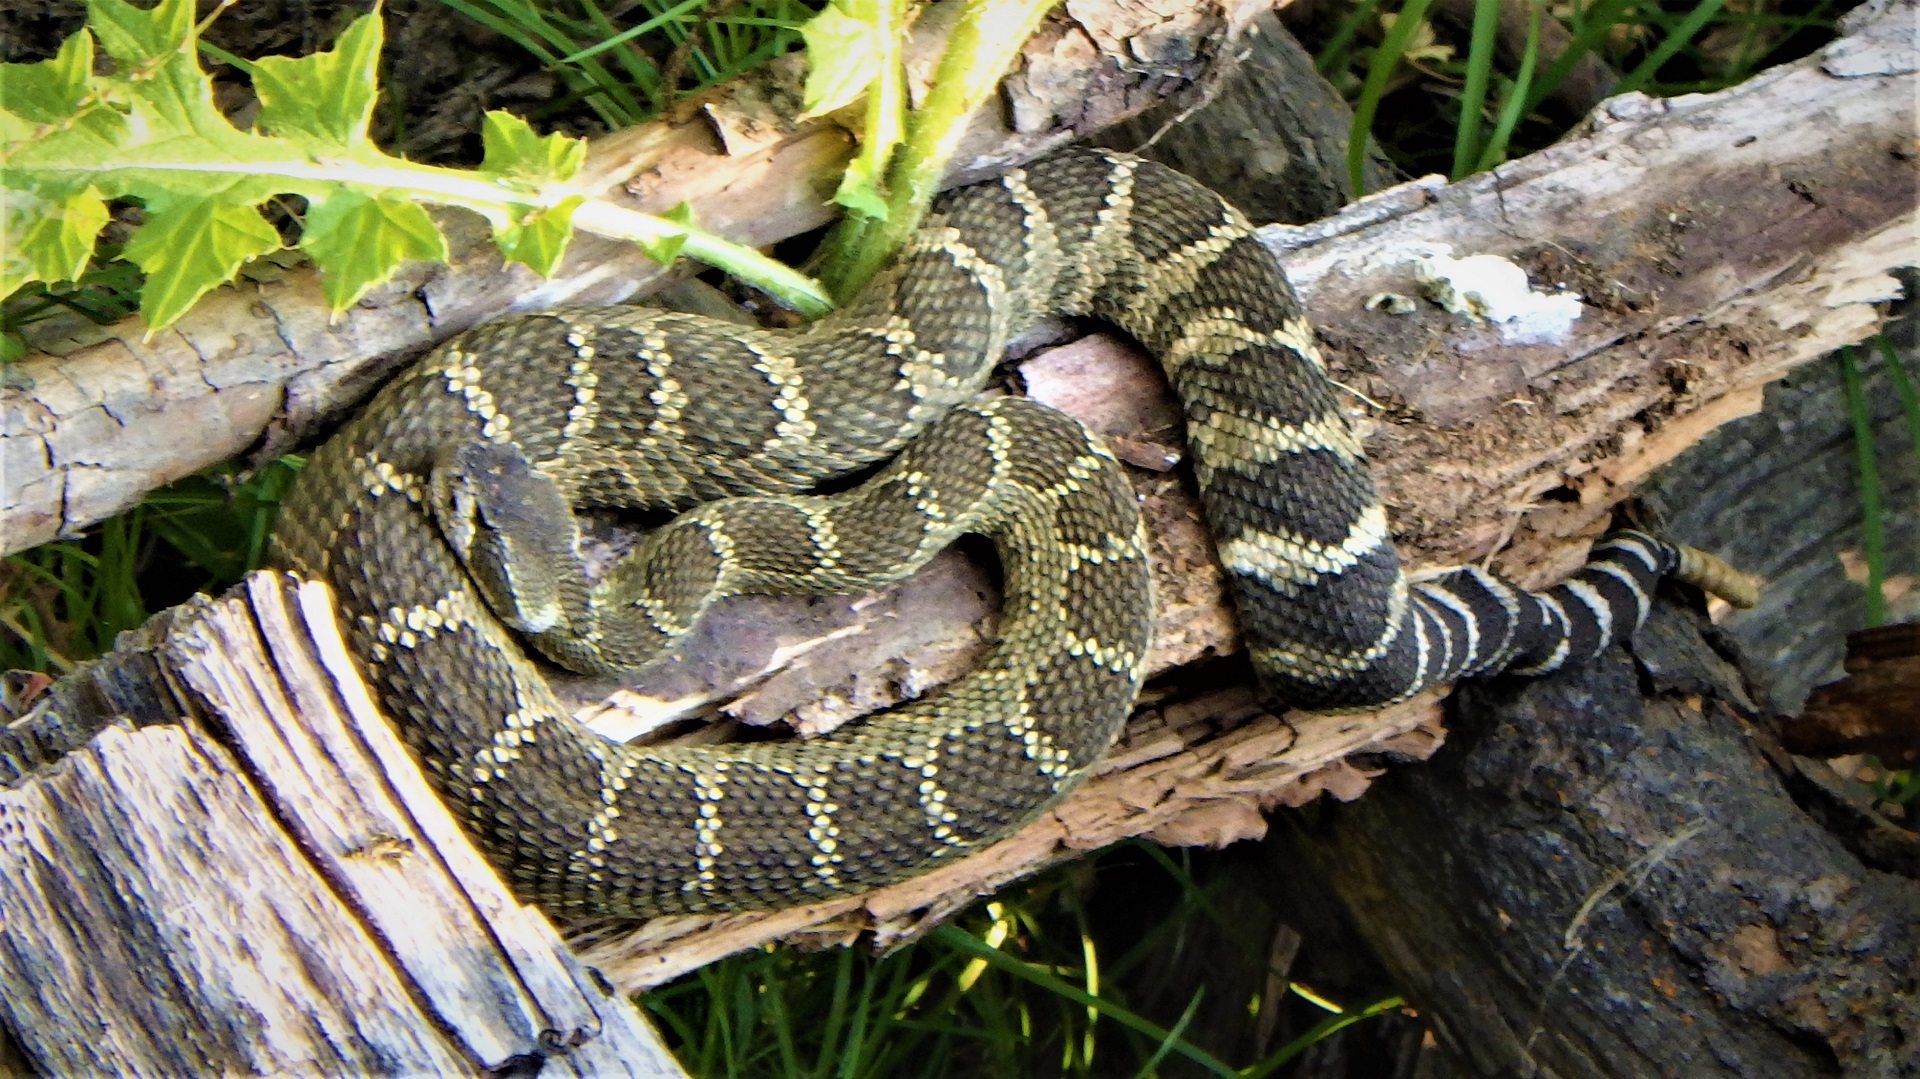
1321 1030
961 941
1333 58
983 43
853 48
1902 388
1510 110
1473 93
1675 39
1385 60
1591 28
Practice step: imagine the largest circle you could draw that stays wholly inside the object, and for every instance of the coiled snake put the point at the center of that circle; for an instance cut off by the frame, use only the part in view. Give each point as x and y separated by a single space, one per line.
442 515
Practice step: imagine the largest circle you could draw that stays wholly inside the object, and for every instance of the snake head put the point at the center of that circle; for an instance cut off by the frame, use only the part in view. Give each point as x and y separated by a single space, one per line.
512 529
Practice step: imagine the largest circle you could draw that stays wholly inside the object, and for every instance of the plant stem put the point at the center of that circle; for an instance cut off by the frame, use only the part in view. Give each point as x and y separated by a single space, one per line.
983 42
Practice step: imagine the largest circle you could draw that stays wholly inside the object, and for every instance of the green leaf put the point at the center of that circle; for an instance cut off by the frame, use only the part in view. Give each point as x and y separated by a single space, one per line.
328 95
845 45
134 37
540 238
191 244
50 92
358 242
150 131
666 247
49 238
859 193
512 150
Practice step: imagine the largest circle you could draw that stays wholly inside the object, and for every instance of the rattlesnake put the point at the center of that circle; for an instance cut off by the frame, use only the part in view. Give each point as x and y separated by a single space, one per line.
442 515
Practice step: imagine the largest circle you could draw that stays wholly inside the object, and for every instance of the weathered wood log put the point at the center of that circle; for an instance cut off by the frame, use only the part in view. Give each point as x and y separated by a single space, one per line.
247 874
1874 709
1514 420
1774 492
1778 493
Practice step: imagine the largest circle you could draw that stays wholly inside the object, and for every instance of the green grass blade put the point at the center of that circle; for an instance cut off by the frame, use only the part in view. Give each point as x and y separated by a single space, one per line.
1473 93
1166 1045
1902 388
1385 59
1514 106
960 940
782 1022
1333 57
25 623
525 26
1596 23
1323 1029
670 15
854 1054
836 1015
1676 39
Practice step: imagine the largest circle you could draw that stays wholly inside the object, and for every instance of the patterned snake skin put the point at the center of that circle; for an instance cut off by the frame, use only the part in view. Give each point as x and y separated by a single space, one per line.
442 516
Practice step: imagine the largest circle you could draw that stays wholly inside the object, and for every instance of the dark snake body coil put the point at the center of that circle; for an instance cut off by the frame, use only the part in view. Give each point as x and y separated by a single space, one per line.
442 516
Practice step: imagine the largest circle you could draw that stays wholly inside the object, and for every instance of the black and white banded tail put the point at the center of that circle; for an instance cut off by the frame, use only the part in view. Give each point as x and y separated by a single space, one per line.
1329 616
1470 622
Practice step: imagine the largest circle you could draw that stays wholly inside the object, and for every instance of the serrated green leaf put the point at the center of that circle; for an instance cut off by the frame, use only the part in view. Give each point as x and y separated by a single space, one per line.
844 51
50 92
859 193
539 238
175 100
133 37
513 150
328 95
189 245
149 130
49 238
358 242
680 214
14 130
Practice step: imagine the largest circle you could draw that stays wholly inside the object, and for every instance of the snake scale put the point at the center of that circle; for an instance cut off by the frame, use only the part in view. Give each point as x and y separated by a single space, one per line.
442 516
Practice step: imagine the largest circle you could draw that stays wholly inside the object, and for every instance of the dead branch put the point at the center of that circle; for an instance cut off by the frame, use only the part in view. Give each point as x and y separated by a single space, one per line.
251 844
